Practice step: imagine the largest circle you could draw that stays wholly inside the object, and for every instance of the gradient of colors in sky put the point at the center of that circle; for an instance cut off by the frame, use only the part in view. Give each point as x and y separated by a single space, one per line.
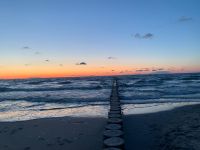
56 38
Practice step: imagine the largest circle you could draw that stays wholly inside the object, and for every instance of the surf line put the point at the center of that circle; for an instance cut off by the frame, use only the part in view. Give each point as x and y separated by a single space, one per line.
113 133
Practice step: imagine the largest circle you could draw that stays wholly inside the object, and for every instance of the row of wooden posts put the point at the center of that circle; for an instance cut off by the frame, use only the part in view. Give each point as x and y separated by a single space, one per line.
113 133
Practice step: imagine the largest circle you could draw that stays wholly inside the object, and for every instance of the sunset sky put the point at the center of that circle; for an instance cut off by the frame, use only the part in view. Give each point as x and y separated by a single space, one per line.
56 38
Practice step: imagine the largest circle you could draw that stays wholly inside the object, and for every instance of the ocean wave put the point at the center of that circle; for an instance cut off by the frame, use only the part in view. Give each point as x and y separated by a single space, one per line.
98 87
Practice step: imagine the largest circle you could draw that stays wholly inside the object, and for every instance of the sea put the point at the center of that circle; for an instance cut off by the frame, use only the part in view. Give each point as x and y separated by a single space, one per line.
26 99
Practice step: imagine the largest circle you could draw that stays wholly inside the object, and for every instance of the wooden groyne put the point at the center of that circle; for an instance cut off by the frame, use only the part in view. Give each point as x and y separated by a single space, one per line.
113 133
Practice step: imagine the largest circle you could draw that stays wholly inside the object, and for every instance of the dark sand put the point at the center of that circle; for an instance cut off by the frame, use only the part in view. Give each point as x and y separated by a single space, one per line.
177 129
64 133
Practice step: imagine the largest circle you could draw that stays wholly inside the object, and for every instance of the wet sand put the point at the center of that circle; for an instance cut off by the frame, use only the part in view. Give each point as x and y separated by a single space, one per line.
177 129
64 133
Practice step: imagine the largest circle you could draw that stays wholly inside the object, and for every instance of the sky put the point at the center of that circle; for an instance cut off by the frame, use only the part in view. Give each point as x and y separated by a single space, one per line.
61 38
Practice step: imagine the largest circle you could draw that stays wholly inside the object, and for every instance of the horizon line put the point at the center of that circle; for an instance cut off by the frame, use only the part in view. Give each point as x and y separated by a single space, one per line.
152 73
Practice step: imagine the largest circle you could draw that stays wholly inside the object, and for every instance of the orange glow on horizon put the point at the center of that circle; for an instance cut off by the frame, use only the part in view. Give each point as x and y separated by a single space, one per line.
51 72
14 72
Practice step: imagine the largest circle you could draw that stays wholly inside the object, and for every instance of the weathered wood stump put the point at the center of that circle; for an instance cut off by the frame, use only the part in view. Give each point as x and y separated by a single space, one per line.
115 104
115 112
115 120
113 126
114 116
112 133
111 148
114 142
115 109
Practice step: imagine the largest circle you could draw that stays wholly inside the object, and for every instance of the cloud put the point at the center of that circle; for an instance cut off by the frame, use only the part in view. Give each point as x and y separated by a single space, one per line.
47 60
185 19
81 63
125 71
26 47
138 36
148 36
142 70
145 36
139 70
158 69
37 53
27 65
110 57
61 65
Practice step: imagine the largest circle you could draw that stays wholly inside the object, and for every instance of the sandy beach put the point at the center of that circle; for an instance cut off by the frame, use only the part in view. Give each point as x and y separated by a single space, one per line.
64 133
177 129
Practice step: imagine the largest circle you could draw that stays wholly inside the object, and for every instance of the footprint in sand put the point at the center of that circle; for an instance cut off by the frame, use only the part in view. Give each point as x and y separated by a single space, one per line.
5 130
62 141
35 125
41 138
20 128
67 140
50 144
77 122
15 130
27 148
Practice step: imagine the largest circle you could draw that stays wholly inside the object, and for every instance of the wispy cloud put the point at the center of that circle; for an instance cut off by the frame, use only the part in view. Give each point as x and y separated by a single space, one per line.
158 69
37 53
110 57
26 47
47 60
27 65
61 65
81 63
142 70
185 19
126 71
148 36
137 35
145 36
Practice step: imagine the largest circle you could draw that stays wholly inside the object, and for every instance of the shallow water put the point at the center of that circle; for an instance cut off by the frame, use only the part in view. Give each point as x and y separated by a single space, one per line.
39 98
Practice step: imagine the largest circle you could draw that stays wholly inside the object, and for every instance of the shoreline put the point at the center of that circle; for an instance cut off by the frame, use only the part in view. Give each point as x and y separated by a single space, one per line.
178 129
87 111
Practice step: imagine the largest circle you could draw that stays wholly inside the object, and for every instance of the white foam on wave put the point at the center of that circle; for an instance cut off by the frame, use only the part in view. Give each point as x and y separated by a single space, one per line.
30 110
129 109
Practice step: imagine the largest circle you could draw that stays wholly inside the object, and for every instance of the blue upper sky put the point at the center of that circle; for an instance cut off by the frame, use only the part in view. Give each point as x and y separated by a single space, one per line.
137 33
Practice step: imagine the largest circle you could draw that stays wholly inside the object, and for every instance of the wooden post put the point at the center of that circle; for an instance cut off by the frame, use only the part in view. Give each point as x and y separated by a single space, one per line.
113 134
